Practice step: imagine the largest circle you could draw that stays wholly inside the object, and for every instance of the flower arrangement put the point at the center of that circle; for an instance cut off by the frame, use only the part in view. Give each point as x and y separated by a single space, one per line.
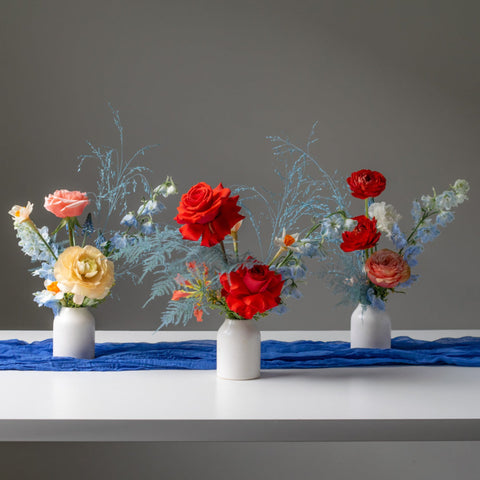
251 288
199 265
77 274
371 274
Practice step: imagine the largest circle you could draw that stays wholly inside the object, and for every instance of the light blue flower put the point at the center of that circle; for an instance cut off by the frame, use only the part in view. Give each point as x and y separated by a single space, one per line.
411 253
333 227
280 309
444 218
150 208
148 228
427 233
416 211
428 202
398 238
47 299
284 271
447 200
45 271
298 271
119 241
129 220
375 302
32 245
309 249
292 291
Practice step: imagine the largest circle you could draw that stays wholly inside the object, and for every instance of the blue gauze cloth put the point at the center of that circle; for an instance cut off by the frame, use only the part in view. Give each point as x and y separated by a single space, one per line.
200 355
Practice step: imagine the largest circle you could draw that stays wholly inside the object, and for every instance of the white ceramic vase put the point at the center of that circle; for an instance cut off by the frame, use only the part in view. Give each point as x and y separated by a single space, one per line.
238 350
74 333
370 328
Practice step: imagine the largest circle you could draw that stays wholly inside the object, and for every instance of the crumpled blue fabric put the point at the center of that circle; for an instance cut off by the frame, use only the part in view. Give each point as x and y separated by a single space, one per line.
200 355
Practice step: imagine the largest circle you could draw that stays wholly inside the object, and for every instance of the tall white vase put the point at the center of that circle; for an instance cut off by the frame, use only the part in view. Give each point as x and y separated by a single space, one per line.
74 333
370 328
238 350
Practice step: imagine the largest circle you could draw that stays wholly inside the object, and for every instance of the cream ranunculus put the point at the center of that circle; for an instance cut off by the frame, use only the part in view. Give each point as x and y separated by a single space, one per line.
85 272
386 216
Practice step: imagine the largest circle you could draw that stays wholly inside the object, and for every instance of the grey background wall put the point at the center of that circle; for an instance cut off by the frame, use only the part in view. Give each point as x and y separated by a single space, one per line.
394 86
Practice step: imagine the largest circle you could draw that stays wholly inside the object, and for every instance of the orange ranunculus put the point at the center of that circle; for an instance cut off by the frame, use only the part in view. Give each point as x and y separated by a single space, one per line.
387 269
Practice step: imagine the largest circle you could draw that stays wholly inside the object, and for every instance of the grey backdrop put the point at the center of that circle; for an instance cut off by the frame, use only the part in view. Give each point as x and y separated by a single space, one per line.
395 87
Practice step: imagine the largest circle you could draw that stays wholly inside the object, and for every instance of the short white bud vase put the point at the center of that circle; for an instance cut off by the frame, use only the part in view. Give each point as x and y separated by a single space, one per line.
74 333
238 350
370 328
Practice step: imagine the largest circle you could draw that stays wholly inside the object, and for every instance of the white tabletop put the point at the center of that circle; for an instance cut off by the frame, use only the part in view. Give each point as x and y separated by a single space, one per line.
338 404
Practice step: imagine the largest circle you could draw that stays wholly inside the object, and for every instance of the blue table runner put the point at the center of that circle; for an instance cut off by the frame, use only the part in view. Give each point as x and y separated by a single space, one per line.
200 355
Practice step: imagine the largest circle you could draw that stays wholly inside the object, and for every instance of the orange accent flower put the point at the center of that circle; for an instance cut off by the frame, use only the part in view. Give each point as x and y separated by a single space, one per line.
198 312
53 287
178 294
288 240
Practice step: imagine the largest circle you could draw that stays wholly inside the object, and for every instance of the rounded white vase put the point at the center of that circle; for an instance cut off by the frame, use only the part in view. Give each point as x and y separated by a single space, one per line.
74 333
238 350
370 328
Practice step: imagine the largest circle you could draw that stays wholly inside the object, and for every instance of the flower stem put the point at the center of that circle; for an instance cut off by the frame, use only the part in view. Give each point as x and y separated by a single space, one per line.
420 222
366 208
35 229
222 246
71 234
235 244
280 251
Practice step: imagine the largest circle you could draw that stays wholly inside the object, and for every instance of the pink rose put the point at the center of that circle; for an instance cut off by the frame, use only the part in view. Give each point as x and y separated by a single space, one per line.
387 269
64 203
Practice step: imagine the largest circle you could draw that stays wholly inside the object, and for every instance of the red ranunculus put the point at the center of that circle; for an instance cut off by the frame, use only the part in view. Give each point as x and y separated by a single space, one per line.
364 235
366 183
253 290
208 213
387 269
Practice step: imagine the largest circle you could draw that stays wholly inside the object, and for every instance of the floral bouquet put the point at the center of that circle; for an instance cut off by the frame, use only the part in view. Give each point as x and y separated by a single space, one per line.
78 271
75 276
199 265
387 269
242 287
247 290
366 274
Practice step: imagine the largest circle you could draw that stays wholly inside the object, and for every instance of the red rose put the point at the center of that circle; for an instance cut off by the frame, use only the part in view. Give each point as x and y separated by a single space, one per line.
366 183
387 269
208 213
364 235
253 290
